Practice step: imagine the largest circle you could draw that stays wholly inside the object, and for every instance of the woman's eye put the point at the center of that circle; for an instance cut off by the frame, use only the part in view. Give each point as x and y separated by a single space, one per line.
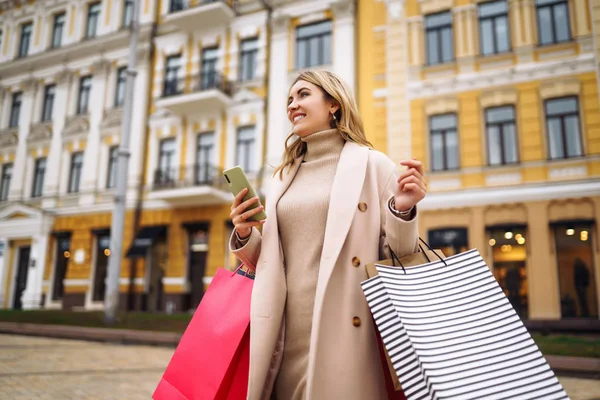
302 94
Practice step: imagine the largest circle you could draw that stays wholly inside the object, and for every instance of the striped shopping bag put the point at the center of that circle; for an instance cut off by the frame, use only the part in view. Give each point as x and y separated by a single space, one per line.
451 333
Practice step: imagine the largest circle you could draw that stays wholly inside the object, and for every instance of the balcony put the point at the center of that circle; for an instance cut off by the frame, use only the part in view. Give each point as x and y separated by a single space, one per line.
198 184
193 15
197 93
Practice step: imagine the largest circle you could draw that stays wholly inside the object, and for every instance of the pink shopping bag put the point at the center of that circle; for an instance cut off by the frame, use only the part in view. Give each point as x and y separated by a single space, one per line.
211 361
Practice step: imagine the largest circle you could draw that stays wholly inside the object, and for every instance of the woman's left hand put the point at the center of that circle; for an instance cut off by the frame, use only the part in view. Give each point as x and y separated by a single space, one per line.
412 186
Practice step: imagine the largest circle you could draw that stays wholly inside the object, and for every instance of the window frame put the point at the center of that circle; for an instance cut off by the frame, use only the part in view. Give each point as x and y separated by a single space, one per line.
91 13
208 67
75 166
54 38
15 108
493 19
250 147
25 43
168 174
563 131
39 175
552 6
127 13
322 57
203 172
501 126
113 162
438 31
48 105
248 59
84 89
120 87
5 180
171 86
444 133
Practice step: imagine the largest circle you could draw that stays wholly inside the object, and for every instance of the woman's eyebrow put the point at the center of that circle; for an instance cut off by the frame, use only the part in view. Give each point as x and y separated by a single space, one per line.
298 91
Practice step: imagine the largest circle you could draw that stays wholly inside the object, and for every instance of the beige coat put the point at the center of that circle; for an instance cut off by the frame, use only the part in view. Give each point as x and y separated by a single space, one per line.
344 361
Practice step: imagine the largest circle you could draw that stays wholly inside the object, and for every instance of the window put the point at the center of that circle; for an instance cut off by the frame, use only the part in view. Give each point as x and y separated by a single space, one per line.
245 156
313 44
75 173
177 5
7 171
49 93
576 277
562 124
553 21
83 101
501 135
57 30
93 17
63 253
210 57
15 109
26 30
171 84
120 89
493 27
38 177
127 13
101 267
444 142
166 162
450 241
439 37
205 157
111 177
249 51
509 264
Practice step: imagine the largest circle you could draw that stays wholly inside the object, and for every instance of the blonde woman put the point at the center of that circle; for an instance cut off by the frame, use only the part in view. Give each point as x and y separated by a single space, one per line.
333 205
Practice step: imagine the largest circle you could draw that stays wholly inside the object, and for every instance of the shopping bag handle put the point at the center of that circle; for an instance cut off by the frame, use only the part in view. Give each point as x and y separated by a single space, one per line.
395 257
239 271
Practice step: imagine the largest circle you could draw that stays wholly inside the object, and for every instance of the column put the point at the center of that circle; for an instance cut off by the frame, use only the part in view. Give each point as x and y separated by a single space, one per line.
515 23
3 97
344 54
278 83
19 170
398 106
51 179
32 296
466 43
524 51
89 173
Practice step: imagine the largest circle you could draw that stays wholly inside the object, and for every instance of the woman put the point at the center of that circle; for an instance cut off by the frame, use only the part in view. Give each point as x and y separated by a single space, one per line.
333 206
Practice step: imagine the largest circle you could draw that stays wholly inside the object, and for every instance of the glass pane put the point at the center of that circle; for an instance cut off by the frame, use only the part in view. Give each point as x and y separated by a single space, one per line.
573 136
502 35
545 25
447 121
326 50
500 114
313 29
575 259
432 48
437 20
492 8
246 133
451 150
494 145
561 22
561 106
315 55
437 152
447 45
301 60
210 54
487 37
555 138
249 44
511 154
542 2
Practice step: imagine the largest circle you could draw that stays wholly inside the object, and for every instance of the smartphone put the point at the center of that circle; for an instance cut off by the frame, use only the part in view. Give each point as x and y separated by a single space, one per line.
237 181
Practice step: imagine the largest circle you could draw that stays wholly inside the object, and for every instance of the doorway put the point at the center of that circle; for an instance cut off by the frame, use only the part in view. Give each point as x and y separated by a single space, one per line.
21 276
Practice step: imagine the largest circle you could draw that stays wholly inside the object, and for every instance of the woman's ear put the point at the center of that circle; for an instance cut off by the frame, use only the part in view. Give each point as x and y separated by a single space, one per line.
334 108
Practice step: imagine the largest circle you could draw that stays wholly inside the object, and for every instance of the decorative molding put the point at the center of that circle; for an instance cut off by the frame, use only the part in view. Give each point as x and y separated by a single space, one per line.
498 98
444 184
441 106
431 6
39 133
101 66
9 137
64 76
560 88
30 84
77 125
568 172
503 179
112 120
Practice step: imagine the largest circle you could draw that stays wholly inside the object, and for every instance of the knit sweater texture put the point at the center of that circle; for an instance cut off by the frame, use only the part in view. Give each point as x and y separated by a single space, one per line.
301 217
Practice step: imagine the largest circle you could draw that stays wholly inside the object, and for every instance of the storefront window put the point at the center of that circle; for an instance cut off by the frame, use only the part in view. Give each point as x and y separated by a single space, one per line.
198 253
451 241
510 266
576 280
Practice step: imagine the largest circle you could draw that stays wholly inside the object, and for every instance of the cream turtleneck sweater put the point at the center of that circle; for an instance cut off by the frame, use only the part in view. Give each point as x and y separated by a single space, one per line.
301 217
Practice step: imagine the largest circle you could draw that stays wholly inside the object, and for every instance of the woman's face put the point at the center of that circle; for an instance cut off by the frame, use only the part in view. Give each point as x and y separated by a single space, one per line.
308 110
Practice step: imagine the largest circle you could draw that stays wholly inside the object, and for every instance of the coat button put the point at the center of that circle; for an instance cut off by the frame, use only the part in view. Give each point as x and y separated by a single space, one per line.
362 206
356 321
356 262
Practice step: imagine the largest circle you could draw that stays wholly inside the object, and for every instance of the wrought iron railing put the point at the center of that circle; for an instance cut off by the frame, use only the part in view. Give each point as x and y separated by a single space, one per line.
196 83
187 176
181 5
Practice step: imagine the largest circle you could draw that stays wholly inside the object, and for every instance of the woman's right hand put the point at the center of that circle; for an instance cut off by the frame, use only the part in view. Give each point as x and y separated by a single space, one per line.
240 214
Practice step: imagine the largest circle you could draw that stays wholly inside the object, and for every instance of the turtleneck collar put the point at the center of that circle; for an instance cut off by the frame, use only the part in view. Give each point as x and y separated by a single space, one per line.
322 144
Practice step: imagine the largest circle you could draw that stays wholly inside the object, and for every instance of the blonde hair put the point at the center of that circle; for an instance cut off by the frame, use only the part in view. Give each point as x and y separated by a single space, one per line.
347 120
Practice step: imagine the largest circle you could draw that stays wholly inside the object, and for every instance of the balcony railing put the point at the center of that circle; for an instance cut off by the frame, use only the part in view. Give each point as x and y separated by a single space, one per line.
188 176
196 83
182 5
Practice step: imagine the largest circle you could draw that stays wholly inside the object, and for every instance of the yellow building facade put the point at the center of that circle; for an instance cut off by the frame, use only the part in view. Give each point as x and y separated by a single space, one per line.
500 101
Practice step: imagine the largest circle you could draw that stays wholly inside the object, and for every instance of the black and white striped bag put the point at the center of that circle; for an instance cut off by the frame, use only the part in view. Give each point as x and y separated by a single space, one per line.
451 333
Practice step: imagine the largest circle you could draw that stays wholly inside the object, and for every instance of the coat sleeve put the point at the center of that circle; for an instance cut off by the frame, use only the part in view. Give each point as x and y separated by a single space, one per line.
247 251
401 236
